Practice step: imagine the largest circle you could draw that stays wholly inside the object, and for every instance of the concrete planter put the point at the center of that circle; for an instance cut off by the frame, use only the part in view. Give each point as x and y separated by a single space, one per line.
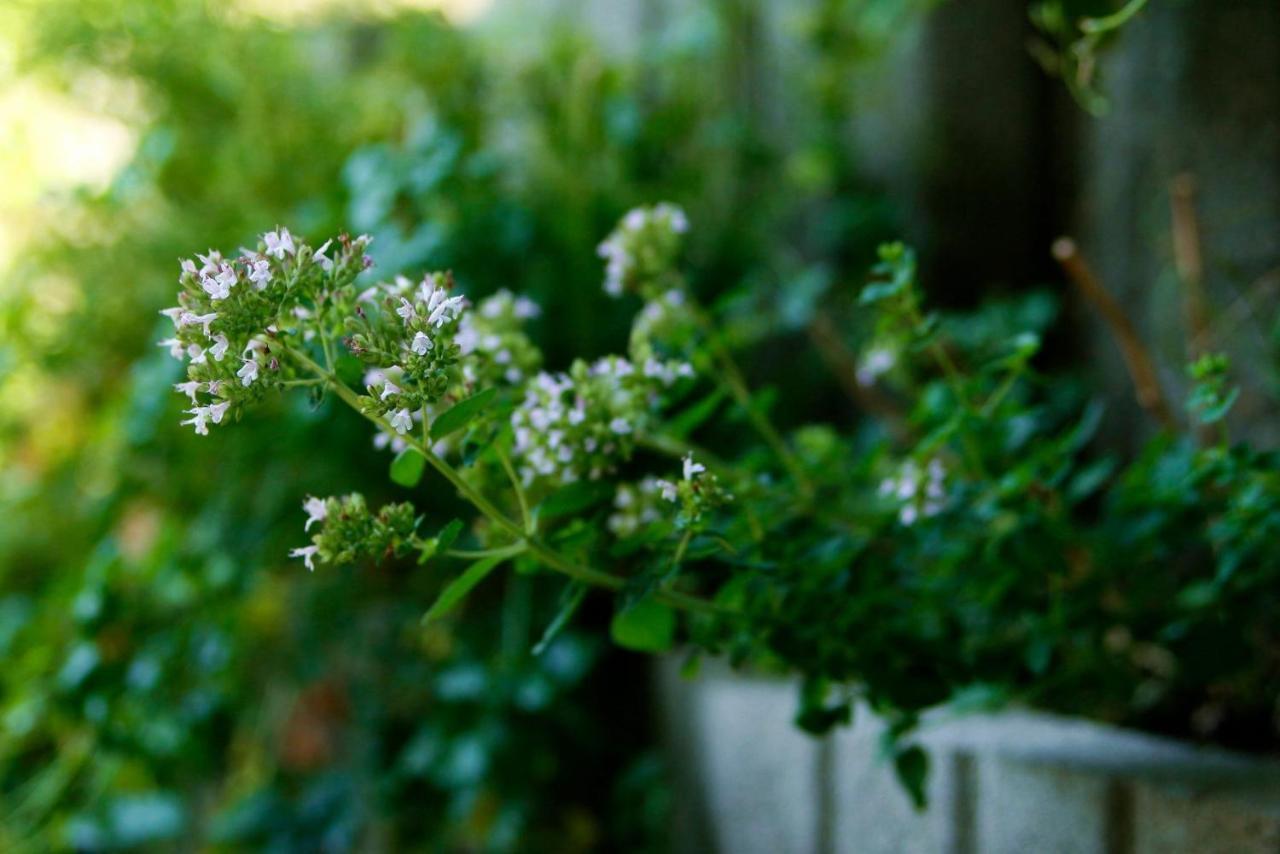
1016 782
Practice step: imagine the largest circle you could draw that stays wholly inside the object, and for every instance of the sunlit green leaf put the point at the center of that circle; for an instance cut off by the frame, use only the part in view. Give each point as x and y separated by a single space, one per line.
645 626
461 414
407 467
457 589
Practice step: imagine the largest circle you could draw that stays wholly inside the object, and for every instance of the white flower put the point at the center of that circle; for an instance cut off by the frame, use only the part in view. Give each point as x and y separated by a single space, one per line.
421 343
218 410
279 243
210 262
526 309
401 421
190 318
175 314
188 266
320 258
691 468
199 419
308 554
176 348
315 509
909 486
189 388
218 286
260 272
219 348
669 490
248 372
445 311
196 354
878 362
389 388
385 440
679 222
620 426
406 310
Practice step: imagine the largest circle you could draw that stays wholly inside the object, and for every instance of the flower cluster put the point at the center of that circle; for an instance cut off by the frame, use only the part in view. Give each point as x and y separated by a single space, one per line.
494 347
578 425
663 325
636 507
405 334
875 363
920 492
235 316
640 252
350 532
697 492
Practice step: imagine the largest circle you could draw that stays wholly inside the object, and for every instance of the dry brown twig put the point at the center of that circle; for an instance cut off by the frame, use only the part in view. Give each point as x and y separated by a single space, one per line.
1188 259
1137 359
843 365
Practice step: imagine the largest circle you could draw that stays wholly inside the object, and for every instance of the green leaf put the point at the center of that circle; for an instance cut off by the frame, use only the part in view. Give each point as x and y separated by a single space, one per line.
1219 406
574 498
646 626
454 592
448 535
694 416
912 768
407 467
815 716
691 666
575 594
461 413
441 542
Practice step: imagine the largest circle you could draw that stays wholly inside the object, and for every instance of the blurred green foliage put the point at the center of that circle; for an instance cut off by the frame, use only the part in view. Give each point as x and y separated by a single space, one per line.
167 675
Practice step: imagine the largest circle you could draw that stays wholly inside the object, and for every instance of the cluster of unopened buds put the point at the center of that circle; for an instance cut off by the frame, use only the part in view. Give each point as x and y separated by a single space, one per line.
350 531
696 493
921 492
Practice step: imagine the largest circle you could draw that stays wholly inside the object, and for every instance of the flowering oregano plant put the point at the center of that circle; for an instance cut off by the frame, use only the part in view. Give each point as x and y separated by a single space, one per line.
967 544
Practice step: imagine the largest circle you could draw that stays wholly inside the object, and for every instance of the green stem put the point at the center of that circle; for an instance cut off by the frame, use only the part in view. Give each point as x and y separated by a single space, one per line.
523 501
736 383
476 554
680 550
678 449
1114 21
998 396
543 553
955 380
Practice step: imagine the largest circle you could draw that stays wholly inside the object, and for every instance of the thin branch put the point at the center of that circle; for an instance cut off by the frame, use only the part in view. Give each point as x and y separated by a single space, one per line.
1189 261
542 552
516 486
843 365
1137 359
1114 21
736 383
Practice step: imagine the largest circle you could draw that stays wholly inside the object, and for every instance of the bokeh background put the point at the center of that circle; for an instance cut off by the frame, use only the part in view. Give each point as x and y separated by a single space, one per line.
169 677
